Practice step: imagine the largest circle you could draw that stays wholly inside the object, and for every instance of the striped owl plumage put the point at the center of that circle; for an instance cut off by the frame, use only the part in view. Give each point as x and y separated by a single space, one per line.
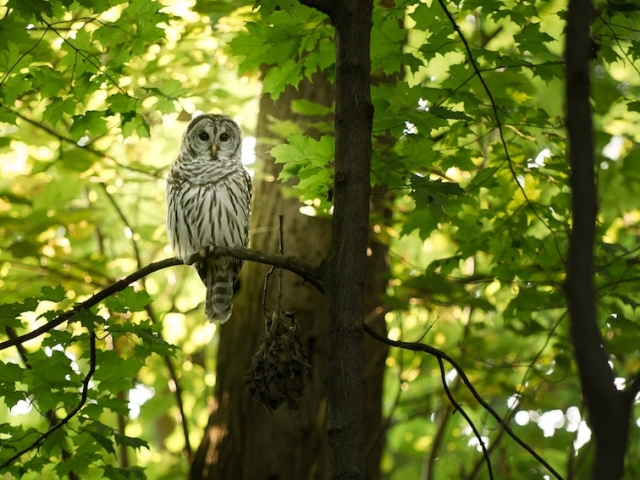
208 204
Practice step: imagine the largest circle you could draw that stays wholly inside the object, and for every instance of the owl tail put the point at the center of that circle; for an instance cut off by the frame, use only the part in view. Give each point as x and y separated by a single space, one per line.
218 276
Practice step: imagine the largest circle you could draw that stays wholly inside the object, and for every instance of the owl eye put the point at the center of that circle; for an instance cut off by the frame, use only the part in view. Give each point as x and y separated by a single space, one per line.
224 137
204 136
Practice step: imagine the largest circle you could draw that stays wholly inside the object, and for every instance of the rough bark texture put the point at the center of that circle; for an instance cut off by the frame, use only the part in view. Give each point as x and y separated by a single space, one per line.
608 408
346 264
242 440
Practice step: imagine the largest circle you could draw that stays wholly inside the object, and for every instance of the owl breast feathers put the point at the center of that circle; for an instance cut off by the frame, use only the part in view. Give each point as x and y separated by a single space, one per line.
209 204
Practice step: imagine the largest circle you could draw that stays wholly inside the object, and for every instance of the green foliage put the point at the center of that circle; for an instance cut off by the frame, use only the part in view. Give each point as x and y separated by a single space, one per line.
470 157
471 151
83 84
287 44
308 160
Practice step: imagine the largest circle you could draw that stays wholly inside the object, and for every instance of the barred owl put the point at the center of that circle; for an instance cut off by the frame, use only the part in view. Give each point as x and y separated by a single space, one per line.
208 204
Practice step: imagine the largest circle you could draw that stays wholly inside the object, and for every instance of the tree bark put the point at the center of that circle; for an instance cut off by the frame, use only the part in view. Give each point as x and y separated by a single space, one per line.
345 271
608 408
242 440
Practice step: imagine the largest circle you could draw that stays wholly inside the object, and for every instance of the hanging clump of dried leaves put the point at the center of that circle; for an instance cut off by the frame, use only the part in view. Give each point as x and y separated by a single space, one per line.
279 367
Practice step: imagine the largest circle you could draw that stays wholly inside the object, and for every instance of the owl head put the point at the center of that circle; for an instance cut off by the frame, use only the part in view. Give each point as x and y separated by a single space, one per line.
213 138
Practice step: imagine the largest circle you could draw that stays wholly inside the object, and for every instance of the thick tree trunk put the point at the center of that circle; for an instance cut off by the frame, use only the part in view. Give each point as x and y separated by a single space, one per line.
345 269
242 440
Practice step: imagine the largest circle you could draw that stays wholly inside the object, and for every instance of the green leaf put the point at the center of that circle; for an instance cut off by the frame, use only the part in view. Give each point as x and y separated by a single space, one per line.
120 103
77 160
278 77
9 312
128 300
115 373
135 443
92 124
425 191
34 9
307 107
57 109
118 473
134 123
49 81
53 294
87 319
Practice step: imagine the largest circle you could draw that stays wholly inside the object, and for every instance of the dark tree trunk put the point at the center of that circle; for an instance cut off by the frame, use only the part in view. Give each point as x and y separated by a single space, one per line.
345 269
242 440
608 408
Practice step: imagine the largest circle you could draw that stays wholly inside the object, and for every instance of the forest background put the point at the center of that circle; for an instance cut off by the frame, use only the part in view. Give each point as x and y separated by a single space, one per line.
470 224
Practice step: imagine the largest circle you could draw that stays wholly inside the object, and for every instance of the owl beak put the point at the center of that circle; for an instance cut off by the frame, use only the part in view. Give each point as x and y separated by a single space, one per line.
214 149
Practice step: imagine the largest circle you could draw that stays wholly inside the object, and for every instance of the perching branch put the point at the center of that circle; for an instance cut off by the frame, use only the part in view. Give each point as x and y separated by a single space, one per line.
304 270
70 415
307 271
421 347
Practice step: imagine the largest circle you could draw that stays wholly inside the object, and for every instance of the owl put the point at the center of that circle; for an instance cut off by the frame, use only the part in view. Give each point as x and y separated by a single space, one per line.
209 204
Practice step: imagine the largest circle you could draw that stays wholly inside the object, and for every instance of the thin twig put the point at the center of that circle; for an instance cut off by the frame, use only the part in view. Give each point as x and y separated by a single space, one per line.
265 310
86 148
177 388
178 394
281 272
494 108
9 70
127 224
85 54
420 347
70 415
459 408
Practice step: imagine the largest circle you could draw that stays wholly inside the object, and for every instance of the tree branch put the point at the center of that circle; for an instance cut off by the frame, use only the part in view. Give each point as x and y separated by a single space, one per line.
325 6
304 270
459 408
70 415
439 354
496 116
307 271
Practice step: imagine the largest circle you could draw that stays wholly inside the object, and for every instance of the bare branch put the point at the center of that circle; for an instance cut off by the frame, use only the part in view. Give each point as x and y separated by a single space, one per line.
459 408
324 6
421 347
292 264
496 116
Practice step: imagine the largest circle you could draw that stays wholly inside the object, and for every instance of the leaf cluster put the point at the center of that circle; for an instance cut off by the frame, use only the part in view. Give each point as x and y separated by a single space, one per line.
470 157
